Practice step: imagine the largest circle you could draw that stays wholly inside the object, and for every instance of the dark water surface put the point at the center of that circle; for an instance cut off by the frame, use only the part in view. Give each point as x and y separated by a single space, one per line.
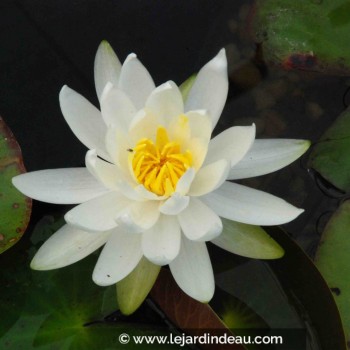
46 44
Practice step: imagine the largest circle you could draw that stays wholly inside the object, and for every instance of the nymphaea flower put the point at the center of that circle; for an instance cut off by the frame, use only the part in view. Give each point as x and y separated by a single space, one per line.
155 186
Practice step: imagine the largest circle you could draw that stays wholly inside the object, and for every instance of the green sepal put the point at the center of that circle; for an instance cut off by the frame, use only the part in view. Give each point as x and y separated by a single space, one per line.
134 288
186 86
248 240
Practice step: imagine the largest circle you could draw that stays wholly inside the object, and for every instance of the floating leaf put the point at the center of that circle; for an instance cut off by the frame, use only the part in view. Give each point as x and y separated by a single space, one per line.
333 261
300 279
281 293
309 35
330 156
15 208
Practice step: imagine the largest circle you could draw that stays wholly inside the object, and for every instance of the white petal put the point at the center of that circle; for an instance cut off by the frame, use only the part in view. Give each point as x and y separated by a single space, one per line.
144 125
117 109
175 204
161 243
106 173
250 206
107 67
198 148
118 145
266 156
147 195
165 102
193 124
192 270
59 186
140 216
111 176
135 81
66 246
185 181
98 214
200 124
198 222
210 88
209 178
118 258
84 119
232 144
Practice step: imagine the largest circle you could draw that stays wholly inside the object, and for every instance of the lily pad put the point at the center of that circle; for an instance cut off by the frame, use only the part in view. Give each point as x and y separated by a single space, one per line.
308 35
330 155
15 208
286 297
333 261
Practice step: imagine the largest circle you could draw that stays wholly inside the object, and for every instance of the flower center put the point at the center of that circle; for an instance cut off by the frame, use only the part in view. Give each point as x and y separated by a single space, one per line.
159 166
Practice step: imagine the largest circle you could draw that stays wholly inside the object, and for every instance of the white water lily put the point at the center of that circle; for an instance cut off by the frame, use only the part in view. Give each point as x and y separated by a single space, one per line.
155 183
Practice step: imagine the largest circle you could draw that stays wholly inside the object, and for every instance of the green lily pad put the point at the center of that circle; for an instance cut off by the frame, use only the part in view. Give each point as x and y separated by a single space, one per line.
15 208
308 35
281 293
330 155
333 261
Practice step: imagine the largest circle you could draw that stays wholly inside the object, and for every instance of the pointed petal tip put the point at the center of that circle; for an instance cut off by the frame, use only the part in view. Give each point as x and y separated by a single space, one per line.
108 87
34 266
166 86
104 44
15 181
306 144
294 213
64 87
222 54
38 264
65 90
220 60
130 57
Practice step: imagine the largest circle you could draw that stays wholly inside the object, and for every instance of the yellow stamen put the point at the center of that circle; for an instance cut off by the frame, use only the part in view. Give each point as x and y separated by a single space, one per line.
159 166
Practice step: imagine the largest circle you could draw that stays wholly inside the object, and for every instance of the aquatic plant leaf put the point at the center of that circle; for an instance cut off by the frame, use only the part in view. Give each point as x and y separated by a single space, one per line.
15 208
332 259
285 298
330 155
61 309
300 279
308 35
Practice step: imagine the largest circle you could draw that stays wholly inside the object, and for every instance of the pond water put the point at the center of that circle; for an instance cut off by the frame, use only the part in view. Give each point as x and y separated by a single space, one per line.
46 44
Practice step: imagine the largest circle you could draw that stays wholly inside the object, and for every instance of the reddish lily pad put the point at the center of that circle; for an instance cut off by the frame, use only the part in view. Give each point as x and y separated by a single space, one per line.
307 35
15 208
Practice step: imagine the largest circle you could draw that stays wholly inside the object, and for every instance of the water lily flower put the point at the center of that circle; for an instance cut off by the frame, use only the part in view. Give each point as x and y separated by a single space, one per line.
155 185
